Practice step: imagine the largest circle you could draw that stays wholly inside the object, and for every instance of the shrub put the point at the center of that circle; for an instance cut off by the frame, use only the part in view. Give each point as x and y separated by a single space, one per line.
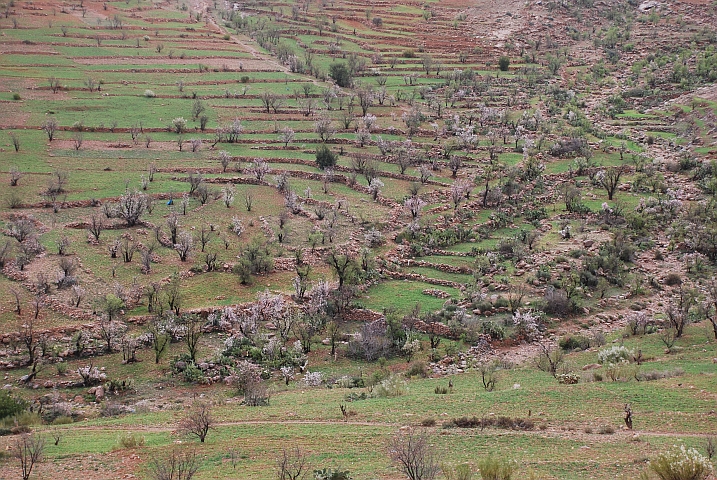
21 422
606 430
192 374
503 63
568 378
130 440
493 468
658 375
428 422
527 325
325 158
330 474
149 94
491 328
615 354
417 369
313 379
340 73
504 422
673 279
574 342
16 96
9 405
682 464
393 386
556 302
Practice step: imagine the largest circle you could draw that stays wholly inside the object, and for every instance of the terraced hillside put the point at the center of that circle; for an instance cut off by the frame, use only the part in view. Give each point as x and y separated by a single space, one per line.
242 202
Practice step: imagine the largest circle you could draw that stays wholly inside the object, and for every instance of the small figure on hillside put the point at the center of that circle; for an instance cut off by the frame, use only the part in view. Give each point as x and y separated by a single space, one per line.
628 416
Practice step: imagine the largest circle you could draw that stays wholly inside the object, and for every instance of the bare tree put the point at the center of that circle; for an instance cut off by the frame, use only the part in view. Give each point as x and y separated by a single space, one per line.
95 227
28 449
193 334
286 136
678 311
204 236
292 464
16 295
609 179
224 158
159 336
228 194
184 245
324 129
78 294
77 140
173 225
270 101
413 455
454 164
29 338
198 421
54 84
91 84
549 359
366 97
15 176
50 126
110 331
128 247
178 465
15 141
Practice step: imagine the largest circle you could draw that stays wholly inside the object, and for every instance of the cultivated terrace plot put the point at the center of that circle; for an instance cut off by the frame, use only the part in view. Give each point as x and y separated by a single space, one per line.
346 239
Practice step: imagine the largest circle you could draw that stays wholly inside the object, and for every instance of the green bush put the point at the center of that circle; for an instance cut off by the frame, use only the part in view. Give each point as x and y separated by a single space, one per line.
16 96
491 328
330 474
503 63
21 422
574 342
9 405
130 440
682 464
340 73
192 374
417 369
325 158
493 468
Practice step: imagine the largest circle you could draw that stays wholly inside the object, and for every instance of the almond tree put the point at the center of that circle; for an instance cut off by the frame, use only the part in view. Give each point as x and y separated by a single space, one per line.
412 453
609 179
28 449
198 421
132 206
